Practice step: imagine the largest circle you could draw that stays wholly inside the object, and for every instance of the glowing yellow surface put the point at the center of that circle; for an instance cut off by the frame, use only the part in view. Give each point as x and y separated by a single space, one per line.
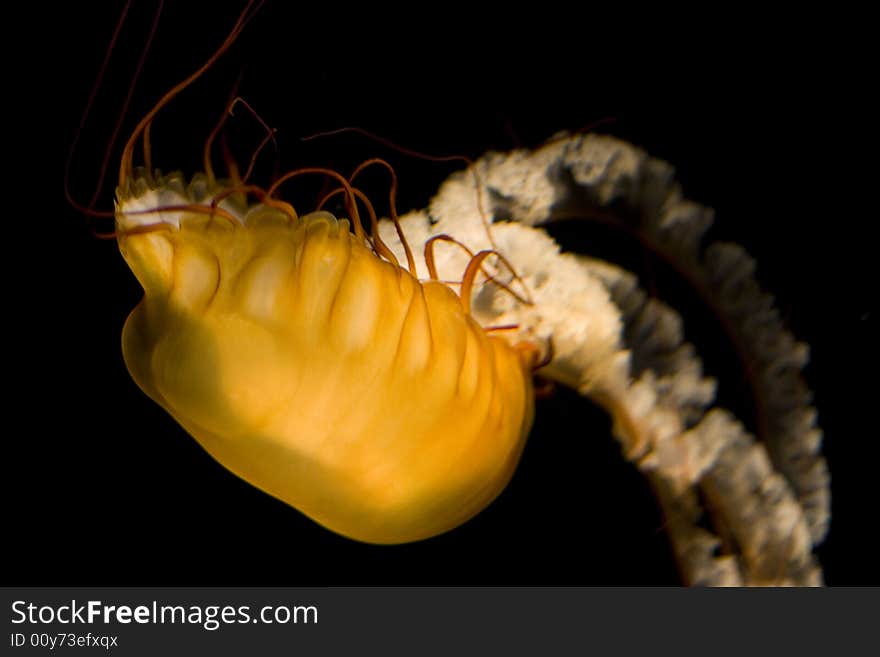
325 376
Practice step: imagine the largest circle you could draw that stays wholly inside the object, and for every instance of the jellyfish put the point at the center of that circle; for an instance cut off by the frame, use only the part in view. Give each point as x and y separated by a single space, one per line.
381 381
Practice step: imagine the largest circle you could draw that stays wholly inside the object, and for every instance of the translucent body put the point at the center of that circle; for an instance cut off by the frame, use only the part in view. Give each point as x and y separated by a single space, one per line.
237 340
323 375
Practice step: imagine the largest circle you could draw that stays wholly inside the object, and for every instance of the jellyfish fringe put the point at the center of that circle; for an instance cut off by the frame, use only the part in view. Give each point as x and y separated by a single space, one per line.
739 510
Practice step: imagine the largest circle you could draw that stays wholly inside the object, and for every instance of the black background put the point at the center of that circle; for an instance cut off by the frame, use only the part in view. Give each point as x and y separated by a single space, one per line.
759 114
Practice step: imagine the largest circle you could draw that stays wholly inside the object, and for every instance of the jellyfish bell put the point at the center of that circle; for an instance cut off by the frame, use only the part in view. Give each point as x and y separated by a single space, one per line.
306 360
315 370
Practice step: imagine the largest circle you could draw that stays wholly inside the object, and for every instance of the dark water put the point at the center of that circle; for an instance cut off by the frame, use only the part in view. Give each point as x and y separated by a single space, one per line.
104 488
